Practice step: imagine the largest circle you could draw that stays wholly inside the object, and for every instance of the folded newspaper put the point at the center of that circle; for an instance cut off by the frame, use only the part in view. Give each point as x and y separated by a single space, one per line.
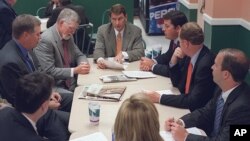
116 78
102 93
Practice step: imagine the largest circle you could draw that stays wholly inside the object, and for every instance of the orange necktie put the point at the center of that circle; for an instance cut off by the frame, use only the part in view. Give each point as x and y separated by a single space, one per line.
189 75
118 43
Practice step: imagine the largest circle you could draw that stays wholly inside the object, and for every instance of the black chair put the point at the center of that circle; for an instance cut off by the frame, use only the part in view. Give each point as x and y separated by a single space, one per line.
83 37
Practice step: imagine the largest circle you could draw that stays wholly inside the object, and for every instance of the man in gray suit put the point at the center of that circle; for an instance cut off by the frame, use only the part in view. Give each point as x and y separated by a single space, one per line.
58 54
129 36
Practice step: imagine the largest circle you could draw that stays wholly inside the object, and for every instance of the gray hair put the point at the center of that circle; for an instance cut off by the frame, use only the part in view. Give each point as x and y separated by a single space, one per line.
24 23
68 15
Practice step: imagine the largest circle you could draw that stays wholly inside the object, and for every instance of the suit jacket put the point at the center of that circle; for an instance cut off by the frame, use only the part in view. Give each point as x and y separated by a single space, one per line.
6 18
131 43
235 112
201 86
162 66
48 10
50 55
15 127
12 67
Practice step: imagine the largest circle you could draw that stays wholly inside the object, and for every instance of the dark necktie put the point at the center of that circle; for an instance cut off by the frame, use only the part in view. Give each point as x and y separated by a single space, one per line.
217 120
30 63
174 46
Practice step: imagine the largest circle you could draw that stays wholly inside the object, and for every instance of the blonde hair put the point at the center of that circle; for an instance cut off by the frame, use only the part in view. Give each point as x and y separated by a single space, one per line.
137 120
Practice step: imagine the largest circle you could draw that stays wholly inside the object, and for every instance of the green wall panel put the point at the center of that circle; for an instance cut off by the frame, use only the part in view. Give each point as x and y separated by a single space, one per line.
93 8
190 13
227 36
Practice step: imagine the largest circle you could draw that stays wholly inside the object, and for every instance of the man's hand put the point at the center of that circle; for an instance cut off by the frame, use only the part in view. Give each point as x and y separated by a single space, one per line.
178 54
83 68
179 132
146 64
55 99
119 58
168 123
153 96
101 64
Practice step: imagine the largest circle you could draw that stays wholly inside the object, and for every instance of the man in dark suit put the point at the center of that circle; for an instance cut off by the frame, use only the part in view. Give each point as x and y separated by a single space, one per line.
119 39
17 60
173 21
229 71
7 16
34 91
50 7
190 71
58 54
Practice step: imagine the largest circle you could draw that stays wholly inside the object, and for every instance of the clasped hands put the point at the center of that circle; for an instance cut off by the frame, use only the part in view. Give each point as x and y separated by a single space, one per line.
176 128
146 64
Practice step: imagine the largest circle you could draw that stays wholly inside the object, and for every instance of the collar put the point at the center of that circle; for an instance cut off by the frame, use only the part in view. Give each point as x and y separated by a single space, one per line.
24 51
226 93
31 122
195 57
116 32
176 41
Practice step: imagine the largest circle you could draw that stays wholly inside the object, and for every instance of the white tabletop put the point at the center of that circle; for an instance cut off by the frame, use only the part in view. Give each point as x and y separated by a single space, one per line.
79 124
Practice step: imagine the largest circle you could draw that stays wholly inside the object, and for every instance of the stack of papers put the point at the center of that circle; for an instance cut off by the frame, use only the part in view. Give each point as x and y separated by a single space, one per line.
167 136
139 74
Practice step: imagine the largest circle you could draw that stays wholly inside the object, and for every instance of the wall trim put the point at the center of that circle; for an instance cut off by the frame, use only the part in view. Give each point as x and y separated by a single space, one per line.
188 4
226 21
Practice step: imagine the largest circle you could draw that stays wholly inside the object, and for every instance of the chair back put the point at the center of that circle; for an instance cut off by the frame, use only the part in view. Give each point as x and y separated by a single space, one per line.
105 16
40 12
83 37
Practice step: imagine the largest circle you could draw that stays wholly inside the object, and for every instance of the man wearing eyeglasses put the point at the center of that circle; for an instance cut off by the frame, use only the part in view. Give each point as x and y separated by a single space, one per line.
119 39
58 54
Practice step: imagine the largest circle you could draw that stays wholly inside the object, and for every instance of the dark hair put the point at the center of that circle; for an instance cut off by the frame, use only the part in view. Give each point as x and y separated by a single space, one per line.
24 23
32 91
192 32
236 62
177 18
117 9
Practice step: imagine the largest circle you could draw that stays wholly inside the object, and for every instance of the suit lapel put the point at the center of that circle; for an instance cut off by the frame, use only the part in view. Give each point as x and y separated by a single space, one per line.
57 40
233 95
112 40
126 38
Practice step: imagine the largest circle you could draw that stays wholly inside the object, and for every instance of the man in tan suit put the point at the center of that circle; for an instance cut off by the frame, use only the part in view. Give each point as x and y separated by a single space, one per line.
119 39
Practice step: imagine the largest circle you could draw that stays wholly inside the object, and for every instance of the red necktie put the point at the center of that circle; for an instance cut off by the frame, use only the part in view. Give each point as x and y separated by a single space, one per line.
66 59
66 54
189 75
118 43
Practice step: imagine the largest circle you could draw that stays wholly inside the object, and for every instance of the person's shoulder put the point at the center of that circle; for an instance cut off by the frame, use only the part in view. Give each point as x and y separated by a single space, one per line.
133 28
105 27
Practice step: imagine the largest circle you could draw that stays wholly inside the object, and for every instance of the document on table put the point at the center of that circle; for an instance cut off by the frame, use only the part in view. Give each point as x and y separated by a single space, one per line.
98 136
167 136
139 74
112 64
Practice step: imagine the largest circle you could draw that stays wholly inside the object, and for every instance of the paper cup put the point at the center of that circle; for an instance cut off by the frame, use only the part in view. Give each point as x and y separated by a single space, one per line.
156 50
94 112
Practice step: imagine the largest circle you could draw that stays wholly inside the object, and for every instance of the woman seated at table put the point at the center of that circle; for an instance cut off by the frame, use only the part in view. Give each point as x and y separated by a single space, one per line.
137 120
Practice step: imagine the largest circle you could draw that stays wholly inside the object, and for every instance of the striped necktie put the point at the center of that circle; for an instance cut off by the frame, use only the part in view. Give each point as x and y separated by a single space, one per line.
217 119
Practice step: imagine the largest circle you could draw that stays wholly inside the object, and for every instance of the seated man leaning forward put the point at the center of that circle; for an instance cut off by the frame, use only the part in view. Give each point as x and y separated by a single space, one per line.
119 39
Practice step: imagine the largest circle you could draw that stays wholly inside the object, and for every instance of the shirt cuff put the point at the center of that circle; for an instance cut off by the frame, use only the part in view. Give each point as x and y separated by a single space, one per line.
99 59
160 98
125 55
72 72
152 68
